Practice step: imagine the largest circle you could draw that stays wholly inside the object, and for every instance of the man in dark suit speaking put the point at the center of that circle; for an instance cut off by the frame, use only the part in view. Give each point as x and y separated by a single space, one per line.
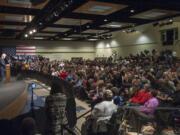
2 66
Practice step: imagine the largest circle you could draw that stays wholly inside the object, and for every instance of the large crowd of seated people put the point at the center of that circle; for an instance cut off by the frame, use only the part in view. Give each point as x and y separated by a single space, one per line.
146 81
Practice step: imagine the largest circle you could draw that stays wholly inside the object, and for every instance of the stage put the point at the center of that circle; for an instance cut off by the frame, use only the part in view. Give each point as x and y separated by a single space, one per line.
13 97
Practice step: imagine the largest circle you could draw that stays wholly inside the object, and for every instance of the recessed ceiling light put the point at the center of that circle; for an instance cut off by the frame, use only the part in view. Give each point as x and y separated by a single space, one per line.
34 30
170 20
66 38
92 39
30 32
132 10
38 38
40 23
105 20
87 26
26 35
115 25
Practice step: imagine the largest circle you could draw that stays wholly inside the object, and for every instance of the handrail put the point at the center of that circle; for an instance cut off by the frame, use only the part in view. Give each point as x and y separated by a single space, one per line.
84 114
67 129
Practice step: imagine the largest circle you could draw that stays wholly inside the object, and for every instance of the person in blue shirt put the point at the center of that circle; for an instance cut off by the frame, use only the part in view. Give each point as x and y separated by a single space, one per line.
118 99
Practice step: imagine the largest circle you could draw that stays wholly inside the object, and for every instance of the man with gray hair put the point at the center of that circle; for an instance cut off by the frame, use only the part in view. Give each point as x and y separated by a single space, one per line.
2 66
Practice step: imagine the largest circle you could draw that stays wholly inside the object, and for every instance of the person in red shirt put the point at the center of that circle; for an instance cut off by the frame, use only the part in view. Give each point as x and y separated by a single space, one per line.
141 96
63 74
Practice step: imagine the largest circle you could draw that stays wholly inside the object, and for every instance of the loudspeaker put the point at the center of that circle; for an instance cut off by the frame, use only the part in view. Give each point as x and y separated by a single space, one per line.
37 2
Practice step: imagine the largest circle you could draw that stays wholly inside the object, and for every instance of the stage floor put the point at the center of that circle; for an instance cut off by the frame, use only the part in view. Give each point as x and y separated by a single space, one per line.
12 95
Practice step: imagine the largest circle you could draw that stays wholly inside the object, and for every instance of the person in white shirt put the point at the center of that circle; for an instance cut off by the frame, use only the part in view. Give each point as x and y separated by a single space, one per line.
102 113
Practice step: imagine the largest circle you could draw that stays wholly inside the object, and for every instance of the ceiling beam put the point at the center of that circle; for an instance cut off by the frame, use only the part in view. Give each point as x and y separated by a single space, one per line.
18 10
13 23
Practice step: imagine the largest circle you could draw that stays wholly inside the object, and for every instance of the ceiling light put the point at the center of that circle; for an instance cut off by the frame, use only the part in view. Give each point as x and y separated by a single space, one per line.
132 10
87 26
40 23
115 25
108 45
34 30
30 32
92 39
66 38
170 20
105 20
38 38
26 35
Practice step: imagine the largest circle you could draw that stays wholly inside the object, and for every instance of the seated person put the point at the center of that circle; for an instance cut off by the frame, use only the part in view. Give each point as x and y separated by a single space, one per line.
97 94
146 111
141 96
171 99
119 99
176 96
150 106
28 126
102 113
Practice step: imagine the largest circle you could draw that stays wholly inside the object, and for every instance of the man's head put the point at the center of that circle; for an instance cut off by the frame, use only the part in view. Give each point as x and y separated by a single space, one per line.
146 86
28 126
178 87
108 95
3 56
154 93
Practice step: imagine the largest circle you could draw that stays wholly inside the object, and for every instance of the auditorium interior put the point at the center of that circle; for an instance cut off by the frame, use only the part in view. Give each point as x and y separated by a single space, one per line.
89 67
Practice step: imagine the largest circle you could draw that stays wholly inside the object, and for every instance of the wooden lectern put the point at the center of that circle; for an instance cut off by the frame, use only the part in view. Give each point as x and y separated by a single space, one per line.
8 73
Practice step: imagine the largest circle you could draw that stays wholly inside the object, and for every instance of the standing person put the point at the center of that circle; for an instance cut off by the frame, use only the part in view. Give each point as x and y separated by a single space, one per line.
2 66
55 109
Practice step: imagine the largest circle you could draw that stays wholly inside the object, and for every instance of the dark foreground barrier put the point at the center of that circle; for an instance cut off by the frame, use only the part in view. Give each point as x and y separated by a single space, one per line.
68 91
